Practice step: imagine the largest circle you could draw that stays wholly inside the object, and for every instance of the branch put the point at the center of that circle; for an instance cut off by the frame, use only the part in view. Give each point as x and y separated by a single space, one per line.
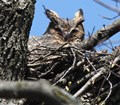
101 35
36 90
90 81
107 6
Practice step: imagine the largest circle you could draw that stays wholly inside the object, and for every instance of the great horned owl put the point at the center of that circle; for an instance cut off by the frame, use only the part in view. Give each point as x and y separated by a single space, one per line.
61 30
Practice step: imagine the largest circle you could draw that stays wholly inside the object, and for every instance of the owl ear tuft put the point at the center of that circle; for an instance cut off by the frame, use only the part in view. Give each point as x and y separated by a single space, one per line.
78 16
52 15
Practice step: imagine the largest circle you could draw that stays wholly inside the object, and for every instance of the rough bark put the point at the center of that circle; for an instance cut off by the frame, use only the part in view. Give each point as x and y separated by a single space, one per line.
15 22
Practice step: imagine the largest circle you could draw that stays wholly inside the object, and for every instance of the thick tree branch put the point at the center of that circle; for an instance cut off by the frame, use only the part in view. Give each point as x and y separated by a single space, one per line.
36 90
101 35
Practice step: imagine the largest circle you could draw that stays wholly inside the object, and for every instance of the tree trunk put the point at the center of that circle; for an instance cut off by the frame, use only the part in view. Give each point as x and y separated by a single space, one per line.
15 22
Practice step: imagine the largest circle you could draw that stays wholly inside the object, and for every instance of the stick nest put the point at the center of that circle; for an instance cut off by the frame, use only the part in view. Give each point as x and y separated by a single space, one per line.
91 76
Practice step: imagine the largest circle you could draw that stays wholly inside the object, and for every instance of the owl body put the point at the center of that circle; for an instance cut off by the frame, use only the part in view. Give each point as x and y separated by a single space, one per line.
60 31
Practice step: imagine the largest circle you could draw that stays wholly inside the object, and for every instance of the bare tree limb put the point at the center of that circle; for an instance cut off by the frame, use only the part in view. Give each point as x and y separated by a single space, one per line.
36 90
107 6
101 35
116 0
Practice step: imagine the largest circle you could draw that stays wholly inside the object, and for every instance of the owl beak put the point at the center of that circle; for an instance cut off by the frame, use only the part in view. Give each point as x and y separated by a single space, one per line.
66 36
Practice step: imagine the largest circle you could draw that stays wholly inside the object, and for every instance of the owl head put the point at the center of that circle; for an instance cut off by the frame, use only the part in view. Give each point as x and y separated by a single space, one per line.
66 29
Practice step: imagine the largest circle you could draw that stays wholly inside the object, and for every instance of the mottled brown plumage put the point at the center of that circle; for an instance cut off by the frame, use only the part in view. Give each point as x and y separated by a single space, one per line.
60 31
45 53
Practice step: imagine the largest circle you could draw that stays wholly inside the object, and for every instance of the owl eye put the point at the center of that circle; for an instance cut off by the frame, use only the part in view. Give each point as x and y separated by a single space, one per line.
58 29
74 30
64 26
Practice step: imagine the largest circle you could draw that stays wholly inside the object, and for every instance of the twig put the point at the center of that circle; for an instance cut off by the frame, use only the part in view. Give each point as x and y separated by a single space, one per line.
43 74
107 6
110 90
70 68
110 18
88 84
113 87
55 50
91 64
48 54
